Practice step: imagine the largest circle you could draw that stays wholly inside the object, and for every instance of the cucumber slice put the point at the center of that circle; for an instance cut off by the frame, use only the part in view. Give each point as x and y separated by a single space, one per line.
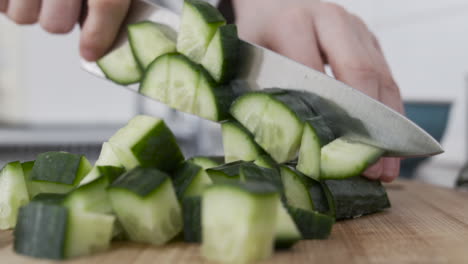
221 56
245 215
199 23
190 180
192 208
120 66
226 173
275 120
356 196
147 141
52 231
13 194
238 143
184 76
146 205
57 172
266 161
343 158
322 203
312 225
150 40
155 82
204 162
286 232
27 169
296 189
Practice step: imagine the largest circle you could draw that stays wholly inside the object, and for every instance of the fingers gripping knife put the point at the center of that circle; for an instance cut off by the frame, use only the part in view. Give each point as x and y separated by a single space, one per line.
352 113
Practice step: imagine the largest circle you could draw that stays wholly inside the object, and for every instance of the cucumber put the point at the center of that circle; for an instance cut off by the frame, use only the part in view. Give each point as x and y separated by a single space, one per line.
221 56
356 196
150 40
204 162
190 180
296 189
238 143
146 205
230 172
316 134
147 141
266 161
322 203
275 118
107 157
343 158
312 225
192 212
93 195
13 194
120 66
286 232
27 169
184 85
53 231
57 172
238 222
199 23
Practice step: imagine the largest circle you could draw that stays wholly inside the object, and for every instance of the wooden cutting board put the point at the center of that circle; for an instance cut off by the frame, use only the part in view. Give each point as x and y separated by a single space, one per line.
426 224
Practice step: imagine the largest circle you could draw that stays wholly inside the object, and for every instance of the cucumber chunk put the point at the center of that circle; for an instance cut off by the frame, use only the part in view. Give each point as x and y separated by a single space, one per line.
155 82
53 231
321 201
107 157
13 194
204 162
146 141
266 161
199 23
238 143
238 222
27 169
190 180
296 189
57 172
120 66
275 120
150 40
312 225
146 205
192 212
316 134
343 158
356 196
230 172
221 56
286 232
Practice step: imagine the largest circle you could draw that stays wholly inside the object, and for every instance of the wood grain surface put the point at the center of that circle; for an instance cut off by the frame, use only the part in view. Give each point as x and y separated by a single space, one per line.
426 224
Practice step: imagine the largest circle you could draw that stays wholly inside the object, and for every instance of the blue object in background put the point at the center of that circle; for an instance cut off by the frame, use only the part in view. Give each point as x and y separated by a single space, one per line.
432 117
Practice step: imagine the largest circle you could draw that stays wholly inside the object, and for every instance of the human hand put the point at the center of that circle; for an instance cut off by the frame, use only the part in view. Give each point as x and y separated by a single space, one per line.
316 33
100 19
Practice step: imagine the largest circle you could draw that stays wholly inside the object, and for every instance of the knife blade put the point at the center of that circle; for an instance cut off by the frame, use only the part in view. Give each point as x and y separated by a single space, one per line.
352 113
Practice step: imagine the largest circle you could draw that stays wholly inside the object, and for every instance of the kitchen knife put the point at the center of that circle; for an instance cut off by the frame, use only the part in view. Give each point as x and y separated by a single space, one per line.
352 113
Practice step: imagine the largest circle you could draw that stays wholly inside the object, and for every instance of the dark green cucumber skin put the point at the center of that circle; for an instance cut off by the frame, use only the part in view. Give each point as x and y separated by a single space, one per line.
312 225
41 231
252 172
230 45
292 102
226 173
50 198
321 128
141 181
111 173
192 211
267 162
319 198
356 196
252 187
160 152
183 177
201 161
209 13
56 167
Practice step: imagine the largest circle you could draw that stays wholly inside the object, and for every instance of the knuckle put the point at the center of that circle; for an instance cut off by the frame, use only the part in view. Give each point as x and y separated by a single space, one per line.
333 9
364 71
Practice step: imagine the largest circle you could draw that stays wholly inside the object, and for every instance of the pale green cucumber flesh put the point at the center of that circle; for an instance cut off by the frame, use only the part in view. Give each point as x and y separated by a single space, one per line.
120 66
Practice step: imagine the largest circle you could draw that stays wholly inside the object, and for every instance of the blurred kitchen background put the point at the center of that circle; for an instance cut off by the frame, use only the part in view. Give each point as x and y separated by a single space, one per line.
48 103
